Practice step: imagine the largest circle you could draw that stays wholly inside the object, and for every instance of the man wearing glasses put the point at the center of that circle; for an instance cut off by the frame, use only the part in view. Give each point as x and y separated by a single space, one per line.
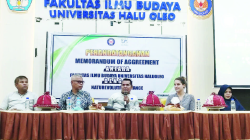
77 84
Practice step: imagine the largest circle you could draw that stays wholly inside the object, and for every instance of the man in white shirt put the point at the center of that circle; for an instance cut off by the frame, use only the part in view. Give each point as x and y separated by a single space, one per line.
16 100
124 99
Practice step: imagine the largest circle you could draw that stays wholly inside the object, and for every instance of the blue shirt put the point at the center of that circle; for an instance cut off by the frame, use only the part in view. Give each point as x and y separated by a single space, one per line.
84 96
238 106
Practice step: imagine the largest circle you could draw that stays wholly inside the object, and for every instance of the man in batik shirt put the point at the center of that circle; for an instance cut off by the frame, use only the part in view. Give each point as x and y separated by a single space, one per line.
77 84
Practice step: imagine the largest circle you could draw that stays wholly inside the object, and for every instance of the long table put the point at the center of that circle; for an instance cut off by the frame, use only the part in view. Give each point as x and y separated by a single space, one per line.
47 125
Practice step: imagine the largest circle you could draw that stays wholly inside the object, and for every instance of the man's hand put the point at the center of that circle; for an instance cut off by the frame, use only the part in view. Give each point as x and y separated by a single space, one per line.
15 109
126 99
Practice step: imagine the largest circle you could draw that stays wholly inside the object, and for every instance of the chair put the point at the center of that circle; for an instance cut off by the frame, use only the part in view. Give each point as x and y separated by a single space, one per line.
163 101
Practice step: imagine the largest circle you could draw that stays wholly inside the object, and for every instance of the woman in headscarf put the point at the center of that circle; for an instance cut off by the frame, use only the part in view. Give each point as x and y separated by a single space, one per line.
226 92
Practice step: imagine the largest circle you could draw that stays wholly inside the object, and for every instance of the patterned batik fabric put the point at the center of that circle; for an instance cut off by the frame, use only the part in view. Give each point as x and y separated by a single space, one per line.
84 96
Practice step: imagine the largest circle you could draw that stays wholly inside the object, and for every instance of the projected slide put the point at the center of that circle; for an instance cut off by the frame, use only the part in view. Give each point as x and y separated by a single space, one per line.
104 60
232 42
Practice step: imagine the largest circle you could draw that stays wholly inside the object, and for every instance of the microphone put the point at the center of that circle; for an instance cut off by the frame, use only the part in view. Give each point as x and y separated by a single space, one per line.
125 102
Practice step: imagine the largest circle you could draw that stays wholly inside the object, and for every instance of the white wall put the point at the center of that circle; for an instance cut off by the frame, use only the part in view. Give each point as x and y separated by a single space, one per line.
200 57
20 35
147 26
176 27
16 47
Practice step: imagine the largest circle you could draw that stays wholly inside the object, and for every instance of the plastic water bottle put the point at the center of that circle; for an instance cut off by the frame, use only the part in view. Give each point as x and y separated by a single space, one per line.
68 102
78 102
198 105
131 105
27 104
233 108
78 105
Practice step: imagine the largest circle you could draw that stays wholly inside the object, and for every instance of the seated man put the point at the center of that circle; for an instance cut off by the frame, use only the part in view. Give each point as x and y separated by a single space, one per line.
77 84
16 100
117 100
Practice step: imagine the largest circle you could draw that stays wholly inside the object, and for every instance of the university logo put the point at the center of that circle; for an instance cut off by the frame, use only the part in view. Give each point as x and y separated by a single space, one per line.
201 8
111 41
19 5
124 42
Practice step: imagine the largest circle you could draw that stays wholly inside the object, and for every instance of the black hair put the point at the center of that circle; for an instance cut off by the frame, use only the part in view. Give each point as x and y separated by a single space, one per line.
125 79
19 78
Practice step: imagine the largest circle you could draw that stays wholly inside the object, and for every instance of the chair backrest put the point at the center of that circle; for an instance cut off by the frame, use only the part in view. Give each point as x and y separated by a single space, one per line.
163 100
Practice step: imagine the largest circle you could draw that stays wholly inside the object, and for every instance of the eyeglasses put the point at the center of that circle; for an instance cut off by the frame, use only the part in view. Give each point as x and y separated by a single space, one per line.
79 82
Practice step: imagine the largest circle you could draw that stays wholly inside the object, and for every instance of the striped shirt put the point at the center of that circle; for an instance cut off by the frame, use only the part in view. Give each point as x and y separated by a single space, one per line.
84 96
187 101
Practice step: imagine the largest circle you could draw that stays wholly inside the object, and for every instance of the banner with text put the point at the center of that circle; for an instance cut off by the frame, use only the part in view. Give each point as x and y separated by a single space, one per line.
151 62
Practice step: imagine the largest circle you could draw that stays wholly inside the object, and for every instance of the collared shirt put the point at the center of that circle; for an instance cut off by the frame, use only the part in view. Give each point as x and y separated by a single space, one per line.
187 101
17 100
117 101
84 96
